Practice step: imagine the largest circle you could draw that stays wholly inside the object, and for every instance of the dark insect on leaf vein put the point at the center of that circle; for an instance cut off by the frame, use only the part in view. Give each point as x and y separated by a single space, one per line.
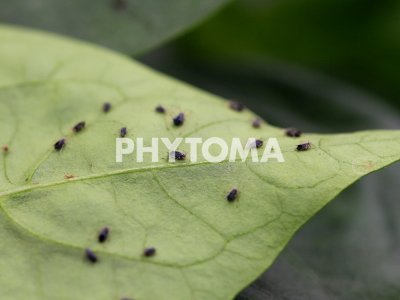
178 155
91 256
78 127
59 144
150 251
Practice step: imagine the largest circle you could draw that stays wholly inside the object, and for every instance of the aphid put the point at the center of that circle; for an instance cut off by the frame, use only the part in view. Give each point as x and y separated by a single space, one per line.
178 155
259 143
123 132
151 251
303 147
78 127
59 144
293 132
160 109
67 176
256 123
179 119
106 107
235 105
5 148
232 195
90 255
120 5
103 234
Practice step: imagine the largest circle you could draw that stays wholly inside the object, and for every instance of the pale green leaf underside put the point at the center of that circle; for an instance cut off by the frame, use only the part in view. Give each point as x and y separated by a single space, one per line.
207 248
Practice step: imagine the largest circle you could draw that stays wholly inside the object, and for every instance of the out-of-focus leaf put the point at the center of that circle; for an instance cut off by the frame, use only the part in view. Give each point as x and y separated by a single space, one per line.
53 203
131 26
355 40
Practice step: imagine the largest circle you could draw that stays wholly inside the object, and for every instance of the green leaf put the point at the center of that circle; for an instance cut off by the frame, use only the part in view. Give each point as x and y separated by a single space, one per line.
357 260
207 248
132 26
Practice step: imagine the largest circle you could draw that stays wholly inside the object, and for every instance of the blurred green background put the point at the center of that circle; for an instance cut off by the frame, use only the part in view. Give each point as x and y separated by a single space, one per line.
324 66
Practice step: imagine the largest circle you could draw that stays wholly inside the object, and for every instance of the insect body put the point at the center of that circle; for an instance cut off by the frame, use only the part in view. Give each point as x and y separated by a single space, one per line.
91 256
160 109
303 147
151 251
106 107
232 195
59 144
178 155
259 143
103 234
123 132
293 132
235 105
179 119
78 127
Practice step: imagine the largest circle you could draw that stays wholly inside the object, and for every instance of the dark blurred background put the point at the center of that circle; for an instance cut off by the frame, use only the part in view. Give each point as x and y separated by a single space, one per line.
324 66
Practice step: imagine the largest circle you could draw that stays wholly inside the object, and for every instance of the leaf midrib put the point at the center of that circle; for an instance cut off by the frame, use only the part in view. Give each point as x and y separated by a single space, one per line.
24 189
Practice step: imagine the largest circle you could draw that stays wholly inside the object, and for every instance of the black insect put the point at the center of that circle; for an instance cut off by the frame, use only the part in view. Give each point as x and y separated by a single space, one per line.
151 251
78 127
178 155
235 105
123 132
303 147
257 123
179 119
232 195
160 109
259 143
103 234
91 256
293 132
59 144
120 5
106 107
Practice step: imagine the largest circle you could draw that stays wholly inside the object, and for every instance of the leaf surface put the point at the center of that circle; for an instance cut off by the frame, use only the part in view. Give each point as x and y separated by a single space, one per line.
207 248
